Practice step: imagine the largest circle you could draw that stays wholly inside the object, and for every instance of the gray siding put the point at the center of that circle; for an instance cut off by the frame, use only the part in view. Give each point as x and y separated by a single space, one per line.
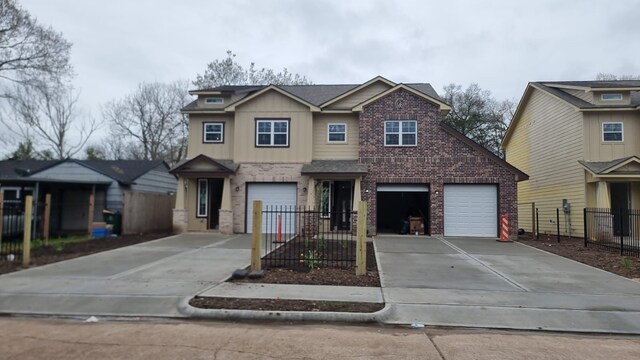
157 180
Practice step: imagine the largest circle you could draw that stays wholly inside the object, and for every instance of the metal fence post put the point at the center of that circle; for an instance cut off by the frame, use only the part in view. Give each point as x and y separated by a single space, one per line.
26 240
1 218
47 217
558 223
361 241
256 236
584 224
537 225
621 230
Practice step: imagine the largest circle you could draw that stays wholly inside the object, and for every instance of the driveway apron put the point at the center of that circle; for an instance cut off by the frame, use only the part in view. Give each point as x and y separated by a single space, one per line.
147 279
480 282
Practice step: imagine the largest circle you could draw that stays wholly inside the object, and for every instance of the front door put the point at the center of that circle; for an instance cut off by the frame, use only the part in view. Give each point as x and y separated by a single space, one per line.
342 200
215 200
620 198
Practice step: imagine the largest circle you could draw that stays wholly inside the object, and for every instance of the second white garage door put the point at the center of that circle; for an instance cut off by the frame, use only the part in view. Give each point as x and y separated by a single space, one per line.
272 194
471 210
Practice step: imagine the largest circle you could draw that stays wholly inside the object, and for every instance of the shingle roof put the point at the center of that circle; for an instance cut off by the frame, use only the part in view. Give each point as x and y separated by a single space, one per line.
228 165
427 89
598 84
577 102
317 94
334 167
598 167
18 169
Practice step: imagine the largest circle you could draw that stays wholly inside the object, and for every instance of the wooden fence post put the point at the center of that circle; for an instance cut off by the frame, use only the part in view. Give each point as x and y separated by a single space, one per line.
256 264
47 218
90 214
361 243
1 216
26 240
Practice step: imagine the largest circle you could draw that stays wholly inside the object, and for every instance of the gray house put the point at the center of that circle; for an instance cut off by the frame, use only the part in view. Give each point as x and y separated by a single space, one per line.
137 188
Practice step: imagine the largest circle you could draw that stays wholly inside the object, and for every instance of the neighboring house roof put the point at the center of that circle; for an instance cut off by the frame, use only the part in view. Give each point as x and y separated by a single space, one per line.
520 176
219 166
342 167
315 96
122 171
611 167
599 84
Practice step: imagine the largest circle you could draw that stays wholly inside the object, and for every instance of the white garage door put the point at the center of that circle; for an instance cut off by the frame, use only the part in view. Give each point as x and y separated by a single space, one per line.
278 195
471 210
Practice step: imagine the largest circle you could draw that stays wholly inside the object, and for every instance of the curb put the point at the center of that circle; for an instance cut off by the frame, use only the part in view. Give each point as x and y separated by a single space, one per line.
225 314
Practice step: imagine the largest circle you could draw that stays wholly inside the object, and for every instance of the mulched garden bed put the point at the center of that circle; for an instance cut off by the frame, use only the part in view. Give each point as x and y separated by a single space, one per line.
283 305
573 248
51 254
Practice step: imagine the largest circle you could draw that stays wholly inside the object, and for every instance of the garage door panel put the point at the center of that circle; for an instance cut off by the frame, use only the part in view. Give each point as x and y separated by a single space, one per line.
471 210
276 197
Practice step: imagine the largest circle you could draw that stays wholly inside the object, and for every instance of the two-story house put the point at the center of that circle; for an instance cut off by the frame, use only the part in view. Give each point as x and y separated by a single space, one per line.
578 141
330 146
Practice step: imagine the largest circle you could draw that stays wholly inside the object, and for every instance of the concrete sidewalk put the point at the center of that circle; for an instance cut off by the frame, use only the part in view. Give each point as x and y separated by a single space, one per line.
482 283
148 279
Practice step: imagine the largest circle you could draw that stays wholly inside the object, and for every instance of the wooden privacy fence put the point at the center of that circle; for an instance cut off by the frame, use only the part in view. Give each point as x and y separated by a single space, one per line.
147 212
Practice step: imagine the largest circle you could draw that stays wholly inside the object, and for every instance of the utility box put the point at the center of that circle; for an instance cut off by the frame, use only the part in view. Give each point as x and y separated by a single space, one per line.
416 225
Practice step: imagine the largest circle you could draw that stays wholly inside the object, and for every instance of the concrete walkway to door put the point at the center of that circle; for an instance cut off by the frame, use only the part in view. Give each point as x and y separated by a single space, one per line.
147 279
479 282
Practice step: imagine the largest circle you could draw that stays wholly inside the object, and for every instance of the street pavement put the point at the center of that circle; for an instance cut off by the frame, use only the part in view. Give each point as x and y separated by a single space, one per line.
479 282
108 339
147 279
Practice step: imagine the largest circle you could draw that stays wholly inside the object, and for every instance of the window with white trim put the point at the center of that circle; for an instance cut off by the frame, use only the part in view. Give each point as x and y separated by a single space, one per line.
400 133
272 132
336 133
612 132
213 132
611 97
214 100
203 196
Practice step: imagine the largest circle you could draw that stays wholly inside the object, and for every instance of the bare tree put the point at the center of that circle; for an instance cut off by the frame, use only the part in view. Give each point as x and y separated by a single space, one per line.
29 51
475 113
149 120
229 72
46 114
610 77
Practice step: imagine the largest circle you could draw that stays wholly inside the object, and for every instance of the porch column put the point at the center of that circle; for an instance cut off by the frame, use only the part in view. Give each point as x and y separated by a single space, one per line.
311 193
180 196
357 196
180 214
226 213
603 200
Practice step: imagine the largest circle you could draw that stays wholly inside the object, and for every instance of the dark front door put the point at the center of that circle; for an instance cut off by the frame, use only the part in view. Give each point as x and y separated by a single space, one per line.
215 200
342 199
620 197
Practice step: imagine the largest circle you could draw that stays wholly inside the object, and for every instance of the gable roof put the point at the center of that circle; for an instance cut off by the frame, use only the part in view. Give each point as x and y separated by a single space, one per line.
410 88
357 88
598 85
122 171
232 107
520 176
609 167
223 166
335 167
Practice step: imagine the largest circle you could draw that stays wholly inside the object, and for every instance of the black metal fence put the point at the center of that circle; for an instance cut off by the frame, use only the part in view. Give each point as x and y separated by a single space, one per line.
613 229
12 231
304 238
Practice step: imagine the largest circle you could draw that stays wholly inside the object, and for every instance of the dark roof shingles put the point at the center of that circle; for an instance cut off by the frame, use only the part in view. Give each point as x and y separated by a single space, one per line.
334 167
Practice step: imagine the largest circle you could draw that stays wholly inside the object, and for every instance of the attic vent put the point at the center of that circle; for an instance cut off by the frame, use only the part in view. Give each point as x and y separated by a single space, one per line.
214 100
611 97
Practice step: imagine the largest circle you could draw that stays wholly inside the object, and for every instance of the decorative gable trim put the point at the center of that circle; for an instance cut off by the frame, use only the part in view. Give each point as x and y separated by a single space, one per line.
443 106
233 106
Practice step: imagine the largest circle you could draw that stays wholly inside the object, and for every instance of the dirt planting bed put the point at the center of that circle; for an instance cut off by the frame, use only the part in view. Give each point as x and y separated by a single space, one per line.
283 305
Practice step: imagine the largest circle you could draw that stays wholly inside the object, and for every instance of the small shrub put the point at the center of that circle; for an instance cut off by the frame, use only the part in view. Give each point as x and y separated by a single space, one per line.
626 263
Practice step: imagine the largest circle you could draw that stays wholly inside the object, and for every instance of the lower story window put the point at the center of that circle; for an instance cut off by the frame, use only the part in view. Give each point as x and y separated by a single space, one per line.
203 194
325 199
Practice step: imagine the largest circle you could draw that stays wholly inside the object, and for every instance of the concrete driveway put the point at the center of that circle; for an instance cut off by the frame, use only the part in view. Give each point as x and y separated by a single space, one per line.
147 279
483 283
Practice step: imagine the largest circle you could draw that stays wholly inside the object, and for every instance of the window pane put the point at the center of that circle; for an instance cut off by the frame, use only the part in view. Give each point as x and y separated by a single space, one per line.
392 139
336 137
613 136
216 127
202 198
337 128
264 139
264 126
392 126
408 139
408 126
325 195
213 137
280 139
612 127
280 127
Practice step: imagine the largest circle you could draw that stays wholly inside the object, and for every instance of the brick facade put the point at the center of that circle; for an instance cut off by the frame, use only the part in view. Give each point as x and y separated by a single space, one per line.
438 159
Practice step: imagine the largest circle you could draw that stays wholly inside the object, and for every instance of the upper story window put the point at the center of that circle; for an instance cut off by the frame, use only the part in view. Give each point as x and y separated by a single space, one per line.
612 131
274 132
337 133
611 97
213 132
214 100
400 133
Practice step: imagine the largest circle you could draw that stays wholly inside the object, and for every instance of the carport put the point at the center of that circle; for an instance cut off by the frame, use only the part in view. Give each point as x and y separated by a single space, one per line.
396 203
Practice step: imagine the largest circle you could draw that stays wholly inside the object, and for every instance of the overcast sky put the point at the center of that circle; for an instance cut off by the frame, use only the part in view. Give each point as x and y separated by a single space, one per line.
501 45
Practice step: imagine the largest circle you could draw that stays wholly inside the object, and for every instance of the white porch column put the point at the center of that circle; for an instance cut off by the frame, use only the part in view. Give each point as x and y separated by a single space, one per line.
180 213
226 194
603 200
311 193
357 194
180 194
